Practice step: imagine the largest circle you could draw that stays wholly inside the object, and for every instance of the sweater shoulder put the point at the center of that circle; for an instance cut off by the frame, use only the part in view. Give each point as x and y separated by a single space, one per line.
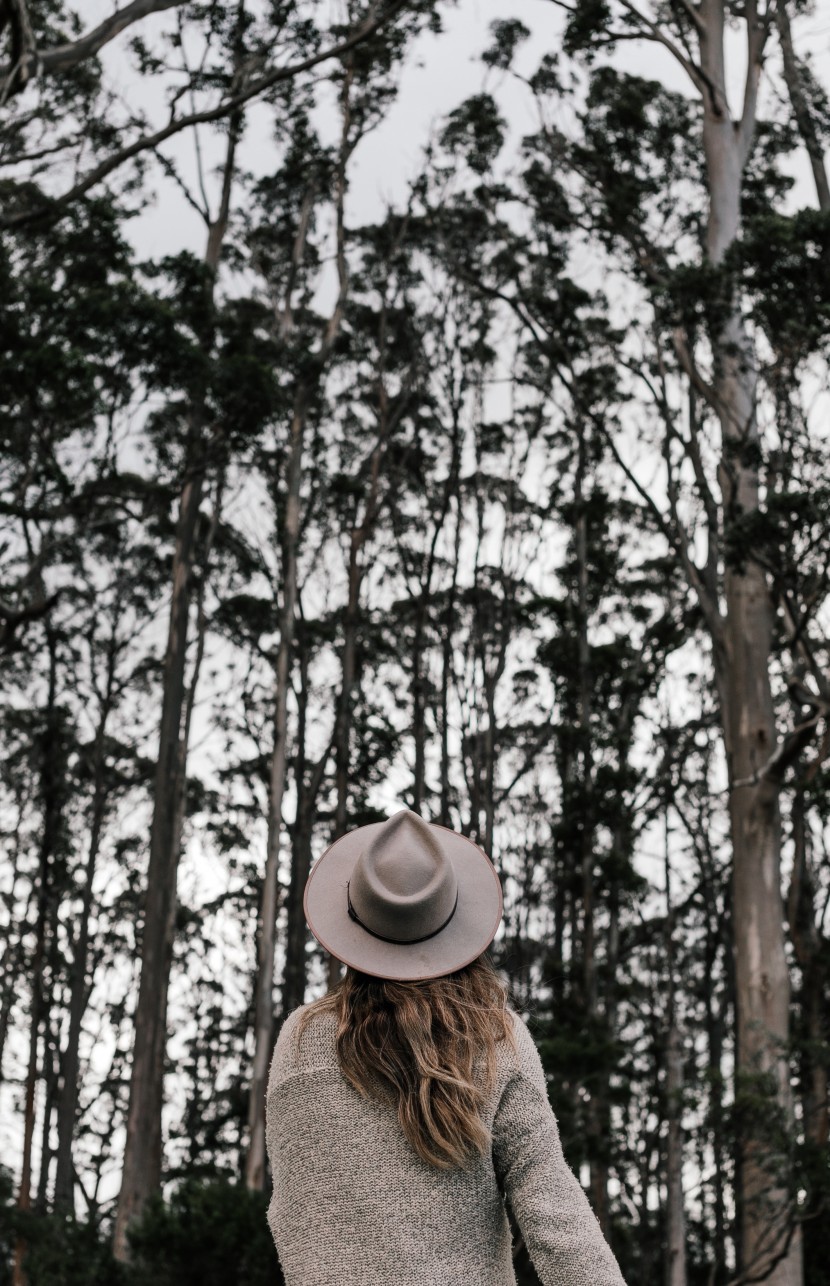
521 1056
306 1043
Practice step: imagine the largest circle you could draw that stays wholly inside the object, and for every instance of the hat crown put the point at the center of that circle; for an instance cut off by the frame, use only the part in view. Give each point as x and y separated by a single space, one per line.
403 886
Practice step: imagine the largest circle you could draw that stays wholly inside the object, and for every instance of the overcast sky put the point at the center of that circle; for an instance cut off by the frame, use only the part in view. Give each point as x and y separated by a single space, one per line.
439 72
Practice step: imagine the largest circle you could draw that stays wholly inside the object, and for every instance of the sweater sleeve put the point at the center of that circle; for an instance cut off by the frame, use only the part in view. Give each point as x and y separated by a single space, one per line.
560 1229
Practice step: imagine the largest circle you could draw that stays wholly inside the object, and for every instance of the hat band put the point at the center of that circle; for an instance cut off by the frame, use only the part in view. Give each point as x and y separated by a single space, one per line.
410 942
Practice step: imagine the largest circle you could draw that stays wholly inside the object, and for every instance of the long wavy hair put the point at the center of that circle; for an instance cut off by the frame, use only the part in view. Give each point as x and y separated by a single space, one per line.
428 1048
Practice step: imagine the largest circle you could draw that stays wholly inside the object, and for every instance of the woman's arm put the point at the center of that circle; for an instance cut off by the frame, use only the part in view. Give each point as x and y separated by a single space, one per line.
560 1229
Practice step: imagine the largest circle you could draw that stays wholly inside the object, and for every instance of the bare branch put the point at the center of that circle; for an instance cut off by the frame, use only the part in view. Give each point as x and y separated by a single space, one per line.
32 62
678 539
12 617
24 50
757 30
787 751
801 108
653 31
171 171
691 12
151 141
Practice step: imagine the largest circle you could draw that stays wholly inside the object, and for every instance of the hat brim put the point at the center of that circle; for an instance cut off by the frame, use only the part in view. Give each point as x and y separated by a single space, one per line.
469 932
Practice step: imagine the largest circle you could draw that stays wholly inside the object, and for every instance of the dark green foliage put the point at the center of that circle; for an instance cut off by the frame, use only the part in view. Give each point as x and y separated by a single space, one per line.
476 131
210 1233
508 35
642 154
585 21
785 263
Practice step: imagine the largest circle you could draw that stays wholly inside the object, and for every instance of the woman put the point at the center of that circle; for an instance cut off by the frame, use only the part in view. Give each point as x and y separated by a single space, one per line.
407 1105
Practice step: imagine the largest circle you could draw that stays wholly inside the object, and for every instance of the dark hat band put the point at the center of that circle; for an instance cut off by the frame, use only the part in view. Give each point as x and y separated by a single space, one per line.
410 942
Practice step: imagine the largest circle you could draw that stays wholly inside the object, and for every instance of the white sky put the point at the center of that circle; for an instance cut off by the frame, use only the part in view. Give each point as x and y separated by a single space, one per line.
439 72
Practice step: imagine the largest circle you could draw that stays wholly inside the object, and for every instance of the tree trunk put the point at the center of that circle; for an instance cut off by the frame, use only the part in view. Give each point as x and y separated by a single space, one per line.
52 797
70 1062
294 977
142 1155
446 679
359 535
143 1149
49 1078
343 722
810 953
675 1267
715 1027
12 955
742 661
675 1216
801 107
594 1110
264 1002
419 702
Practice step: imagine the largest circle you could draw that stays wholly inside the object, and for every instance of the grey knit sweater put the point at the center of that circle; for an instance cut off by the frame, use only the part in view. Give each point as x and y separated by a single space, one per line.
353 1205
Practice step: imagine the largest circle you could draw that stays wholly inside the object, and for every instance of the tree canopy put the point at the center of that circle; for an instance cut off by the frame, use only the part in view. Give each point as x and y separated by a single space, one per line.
503 498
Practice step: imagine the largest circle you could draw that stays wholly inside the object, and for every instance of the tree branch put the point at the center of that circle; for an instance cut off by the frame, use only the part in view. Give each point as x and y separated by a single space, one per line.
757 29
786 753
148 142
33 63
801 108
653 31
678 540
24 49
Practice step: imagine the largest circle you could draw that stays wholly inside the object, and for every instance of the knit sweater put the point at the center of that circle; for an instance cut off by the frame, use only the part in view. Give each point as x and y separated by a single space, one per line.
354 1205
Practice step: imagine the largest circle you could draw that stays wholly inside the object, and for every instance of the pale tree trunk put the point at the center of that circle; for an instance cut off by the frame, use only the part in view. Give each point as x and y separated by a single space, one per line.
264 1026
296 936
359 535
142 1156
419 650
264 1001
141 1174
264 1029
717 935
739 615
771 1246
348 656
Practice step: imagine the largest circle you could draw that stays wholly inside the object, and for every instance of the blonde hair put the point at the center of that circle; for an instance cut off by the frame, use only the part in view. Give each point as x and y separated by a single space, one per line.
428 1048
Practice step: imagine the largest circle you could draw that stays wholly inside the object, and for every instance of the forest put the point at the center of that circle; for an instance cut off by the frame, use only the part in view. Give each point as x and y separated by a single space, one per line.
480 468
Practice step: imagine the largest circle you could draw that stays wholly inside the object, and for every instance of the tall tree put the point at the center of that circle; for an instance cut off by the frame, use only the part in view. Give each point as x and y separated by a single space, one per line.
732 587
204 450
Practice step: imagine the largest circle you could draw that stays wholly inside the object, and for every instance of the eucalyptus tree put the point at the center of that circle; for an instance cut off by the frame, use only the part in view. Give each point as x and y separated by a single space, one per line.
671 188
571 396
70 524
312 182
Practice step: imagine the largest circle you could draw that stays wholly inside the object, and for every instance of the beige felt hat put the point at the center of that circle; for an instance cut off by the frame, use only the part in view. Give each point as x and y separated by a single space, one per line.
404 899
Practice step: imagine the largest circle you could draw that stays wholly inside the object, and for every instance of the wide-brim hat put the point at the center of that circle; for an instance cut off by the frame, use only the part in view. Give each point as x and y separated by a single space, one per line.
404 899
